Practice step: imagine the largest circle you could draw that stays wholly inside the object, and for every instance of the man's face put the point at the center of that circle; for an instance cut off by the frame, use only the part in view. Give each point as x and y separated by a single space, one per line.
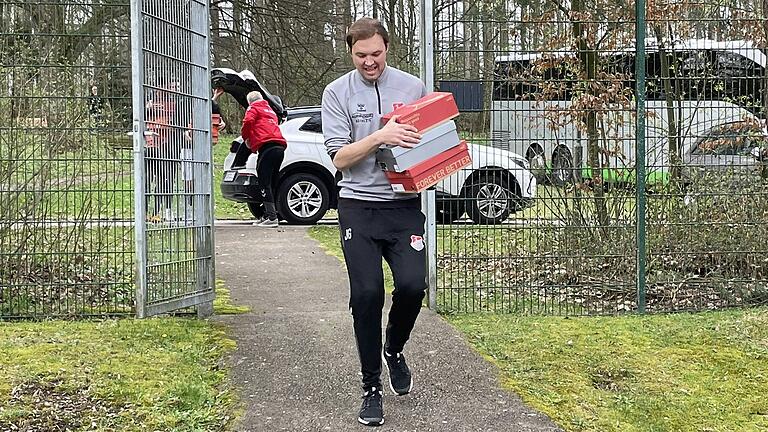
370 57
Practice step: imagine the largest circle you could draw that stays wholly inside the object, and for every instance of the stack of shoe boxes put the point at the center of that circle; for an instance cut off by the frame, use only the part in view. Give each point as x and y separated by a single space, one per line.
439 153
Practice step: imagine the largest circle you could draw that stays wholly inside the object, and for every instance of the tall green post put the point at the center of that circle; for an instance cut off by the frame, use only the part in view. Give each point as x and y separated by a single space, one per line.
640 160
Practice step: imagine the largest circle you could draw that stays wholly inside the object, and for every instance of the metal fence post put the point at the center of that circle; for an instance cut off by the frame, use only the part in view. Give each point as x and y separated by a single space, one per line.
203 182
430 228
138 130
640 150
428 198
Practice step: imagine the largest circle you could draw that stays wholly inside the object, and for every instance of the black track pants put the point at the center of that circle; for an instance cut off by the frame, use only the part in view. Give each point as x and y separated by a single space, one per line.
267 168
371 231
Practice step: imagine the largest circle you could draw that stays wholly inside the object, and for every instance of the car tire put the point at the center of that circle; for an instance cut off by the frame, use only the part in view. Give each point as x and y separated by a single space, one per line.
257 209
562 167
449 209
302 199
489 199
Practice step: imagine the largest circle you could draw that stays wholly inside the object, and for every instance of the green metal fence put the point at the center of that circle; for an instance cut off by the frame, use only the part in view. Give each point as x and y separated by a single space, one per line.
66 242
68 230
549 89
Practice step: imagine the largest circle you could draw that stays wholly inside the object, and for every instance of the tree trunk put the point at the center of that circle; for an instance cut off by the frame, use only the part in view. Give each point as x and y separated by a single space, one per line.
490 14
467 42
343 21
588 59
410 40
673 127
216 41
394 45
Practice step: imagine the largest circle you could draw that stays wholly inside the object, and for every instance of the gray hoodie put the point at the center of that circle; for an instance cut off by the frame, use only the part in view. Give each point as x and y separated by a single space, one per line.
351 110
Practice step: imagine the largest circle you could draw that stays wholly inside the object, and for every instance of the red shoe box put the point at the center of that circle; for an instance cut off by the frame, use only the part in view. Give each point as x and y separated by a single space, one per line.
430 171
427 112
215 123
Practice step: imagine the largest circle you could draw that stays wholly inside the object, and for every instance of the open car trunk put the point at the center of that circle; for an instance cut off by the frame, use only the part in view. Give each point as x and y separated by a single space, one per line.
239 84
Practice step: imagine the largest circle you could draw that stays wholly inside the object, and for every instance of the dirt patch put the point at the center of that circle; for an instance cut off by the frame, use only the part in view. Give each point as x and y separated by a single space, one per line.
610 380
48 406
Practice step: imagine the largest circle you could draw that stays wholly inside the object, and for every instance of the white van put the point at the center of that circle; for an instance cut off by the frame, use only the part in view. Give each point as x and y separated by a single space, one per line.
714 83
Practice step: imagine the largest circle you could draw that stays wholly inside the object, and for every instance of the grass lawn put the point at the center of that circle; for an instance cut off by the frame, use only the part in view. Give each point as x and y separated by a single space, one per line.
678 372
94 188
683 372
117 374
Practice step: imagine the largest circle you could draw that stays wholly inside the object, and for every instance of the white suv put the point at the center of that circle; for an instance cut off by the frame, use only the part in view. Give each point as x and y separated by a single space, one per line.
496 184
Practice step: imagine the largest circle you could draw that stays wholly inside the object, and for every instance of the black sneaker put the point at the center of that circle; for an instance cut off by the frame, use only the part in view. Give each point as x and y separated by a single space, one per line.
372 411
400 379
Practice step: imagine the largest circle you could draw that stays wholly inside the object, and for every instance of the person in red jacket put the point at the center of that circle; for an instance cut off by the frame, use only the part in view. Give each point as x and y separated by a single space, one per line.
263 136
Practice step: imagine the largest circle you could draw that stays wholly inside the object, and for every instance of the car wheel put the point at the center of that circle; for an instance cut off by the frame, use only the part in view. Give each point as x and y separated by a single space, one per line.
562 167
449 209
489 199
302 199
257 209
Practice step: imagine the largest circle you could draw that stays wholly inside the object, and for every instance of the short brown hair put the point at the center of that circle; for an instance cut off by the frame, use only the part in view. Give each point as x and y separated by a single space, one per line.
365 28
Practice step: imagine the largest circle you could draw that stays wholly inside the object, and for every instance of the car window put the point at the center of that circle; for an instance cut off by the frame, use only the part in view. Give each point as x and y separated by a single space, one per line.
696 63
733 65
314 124
732 139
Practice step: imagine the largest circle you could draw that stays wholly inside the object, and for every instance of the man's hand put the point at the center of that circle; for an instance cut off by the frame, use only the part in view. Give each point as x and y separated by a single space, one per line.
217 92
394 133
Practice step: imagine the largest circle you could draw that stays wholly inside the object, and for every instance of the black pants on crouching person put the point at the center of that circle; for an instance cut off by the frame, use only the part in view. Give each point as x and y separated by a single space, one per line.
394 231
267 168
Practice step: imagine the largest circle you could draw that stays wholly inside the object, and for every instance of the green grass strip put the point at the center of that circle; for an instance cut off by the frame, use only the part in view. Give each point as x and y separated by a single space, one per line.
222 304
683 372
127 375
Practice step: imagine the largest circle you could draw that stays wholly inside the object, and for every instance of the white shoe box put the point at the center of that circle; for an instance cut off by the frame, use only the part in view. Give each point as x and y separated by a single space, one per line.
433 142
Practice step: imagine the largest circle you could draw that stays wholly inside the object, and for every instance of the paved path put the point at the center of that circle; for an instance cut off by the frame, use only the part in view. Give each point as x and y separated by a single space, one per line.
296 362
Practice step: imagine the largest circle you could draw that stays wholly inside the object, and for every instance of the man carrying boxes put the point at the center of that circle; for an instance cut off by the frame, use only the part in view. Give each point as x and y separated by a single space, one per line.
376 219
375 222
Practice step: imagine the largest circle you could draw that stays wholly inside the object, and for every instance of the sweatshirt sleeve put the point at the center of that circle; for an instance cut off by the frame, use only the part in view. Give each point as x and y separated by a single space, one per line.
336 125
